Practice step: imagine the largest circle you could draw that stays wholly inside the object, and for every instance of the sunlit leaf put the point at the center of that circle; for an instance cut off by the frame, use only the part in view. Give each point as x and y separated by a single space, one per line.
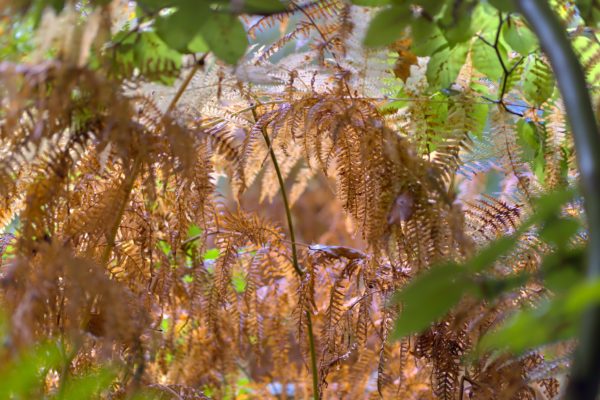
445 64
519 37
486 61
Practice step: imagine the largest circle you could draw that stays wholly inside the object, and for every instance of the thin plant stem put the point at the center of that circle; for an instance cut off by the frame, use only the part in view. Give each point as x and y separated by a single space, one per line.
295 263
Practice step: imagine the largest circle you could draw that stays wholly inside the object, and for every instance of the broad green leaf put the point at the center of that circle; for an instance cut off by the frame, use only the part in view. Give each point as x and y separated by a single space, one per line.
551 321
387 26
486 257
519 37
581 297
427 38
445 64
179 28
562 273
538 85
24 374
432 6
198 45
485 20
559 231
530 328
456 23
503 5
225 36
491 288
430 297
87 386
549 205
485 60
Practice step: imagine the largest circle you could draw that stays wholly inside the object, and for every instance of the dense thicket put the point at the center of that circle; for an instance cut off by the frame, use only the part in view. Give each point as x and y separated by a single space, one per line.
259 199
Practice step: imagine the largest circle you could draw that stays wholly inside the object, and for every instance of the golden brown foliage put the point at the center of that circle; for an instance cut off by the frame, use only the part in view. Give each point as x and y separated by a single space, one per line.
120 205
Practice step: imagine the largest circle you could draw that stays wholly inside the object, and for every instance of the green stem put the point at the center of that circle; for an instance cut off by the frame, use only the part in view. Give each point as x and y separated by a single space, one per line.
295 263
585 372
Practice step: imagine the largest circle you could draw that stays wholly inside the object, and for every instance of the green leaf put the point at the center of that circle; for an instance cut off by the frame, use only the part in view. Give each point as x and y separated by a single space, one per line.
164 325
486 61
559 231
456 23
581 297
486 257
427 38
553 320
532 145
430 297
387 26
178 29
164 247
225 36
198 45
529 329
445 64
87 386
194 231
548 205
538 85
148 53
24 375
211 254
431 6
479 115
262 6
503 5
519 37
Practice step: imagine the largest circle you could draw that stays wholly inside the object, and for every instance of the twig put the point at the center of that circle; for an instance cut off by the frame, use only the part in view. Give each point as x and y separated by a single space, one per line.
506 72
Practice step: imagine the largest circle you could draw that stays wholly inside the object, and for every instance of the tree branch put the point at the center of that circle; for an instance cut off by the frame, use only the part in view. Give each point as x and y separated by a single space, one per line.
585 373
